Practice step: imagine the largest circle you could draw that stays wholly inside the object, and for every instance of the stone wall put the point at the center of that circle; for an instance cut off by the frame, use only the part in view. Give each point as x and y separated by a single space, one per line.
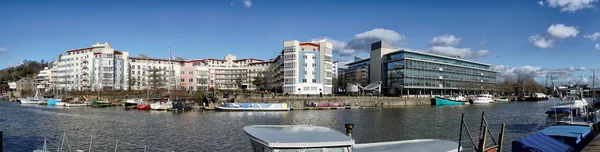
362 101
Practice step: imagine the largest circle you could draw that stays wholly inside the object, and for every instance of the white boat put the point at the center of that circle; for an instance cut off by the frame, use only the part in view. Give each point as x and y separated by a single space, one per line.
61 103
30 101
255 107
483 99
76 104
279 138
161 105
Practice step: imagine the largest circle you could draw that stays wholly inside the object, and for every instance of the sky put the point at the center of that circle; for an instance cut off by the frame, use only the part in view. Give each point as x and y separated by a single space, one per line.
519 37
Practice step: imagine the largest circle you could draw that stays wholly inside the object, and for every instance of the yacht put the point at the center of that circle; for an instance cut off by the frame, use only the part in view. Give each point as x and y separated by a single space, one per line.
483 99
162 105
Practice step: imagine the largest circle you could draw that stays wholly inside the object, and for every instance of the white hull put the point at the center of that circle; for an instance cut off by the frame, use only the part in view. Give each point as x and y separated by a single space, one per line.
61 103
252 109
164 106
25 101
482 101
76 104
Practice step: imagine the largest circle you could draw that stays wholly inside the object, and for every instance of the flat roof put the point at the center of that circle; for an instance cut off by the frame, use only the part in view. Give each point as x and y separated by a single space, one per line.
441 56
297 136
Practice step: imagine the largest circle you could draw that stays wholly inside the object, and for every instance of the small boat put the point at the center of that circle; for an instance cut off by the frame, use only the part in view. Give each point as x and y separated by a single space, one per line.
30 101
254 107
143 107
133 102
53 101
161 105
444 101
60 103
76 104
316 138
501 100
179 105
97 103
536 97
483 99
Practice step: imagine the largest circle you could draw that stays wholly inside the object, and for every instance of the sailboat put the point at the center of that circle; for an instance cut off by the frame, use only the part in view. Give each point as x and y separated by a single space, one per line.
168 104
33 100
98 101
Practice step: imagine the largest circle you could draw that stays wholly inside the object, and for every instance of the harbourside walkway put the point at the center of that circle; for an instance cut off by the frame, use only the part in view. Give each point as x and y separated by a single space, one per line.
594 145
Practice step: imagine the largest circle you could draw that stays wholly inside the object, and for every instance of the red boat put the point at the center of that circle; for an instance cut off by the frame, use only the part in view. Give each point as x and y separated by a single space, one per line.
143 107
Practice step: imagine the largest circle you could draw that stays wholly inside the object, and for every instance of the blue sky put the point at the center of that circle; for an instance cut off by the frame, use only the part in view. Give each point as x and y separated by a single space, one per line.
500 32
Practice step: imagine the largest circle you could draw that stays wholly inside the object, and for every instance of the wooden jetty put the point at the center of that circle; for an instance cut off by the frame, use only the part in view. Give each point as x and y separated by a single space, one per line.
594 145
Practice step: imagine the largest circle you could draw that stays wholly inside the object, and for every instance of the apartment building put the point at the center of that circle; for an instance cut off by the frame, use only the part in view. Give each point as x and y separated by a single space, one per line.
152 73
307 67
92 68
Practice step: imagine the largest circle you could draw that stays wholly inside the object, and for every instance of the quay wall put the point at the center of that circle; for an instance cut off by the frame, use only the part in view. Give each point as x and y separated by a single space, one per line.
362 101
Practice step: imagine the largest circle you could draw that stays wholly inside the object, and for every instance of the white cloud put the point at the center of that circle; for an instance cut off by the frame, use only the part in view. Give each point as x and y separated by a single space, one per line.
444 40
362 41
3 50
560 31
247 3
598 46
593 36
541 42
571 5
541 3
483 43
458 52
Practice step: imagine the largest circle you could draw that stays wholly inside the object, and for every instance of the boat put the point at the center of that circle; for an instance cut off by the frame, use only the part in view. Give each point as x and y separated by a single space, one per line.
316 138
133 102
483 99
439 101
536 97
558 138
33 100
179 105
97 103
254 107
143 107
76 104
161 105
53 101
502 100
60 103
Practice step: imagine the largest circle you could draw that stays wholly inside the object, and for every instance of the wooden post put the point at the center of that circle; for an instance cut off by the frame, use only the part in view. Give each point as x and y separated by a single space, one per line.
462 116
482 140
349 128
501 138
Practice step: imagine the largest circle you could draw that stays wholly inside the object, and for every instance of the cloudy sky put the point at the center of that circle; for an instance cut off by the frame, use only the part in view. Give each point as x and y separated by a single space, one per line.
548 37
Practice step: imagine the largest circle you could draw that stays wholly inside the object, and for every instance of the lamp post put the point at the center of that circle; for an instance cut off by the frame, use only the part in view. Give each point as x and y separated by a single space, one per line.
401 91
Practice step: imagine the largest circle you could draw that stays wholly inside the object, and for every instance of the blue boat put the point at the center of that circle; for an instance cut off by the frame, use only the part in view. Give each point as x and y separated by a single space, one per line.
564 138
53 101
255 107
442 101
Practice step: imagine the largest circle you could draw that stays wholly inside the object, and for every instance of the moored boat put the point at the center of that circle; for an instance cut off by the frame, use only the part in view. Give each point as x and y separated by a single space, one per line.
30 101
483 99
60 103
443 101
502 100
53 101
97 103
161 105
133 102
76 104
179 105
254 107
143 107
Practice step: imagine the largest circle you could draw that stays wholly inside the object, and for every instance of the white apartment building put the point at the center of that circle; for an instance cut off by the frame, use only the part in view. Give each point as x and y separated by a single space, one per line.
42 80
334 69
99 66
223 74
307 67
143 69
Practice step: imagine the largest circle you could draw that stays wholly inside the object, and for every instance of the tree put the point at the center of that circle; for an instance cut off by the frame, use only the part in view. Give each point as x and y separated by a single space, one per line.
238 82
199 97
259 81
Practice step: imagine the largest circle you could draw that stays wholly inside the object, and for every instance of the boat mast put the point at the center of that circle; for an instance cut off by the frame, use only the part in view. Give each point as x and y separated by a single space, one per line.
171 74
148 78
593 84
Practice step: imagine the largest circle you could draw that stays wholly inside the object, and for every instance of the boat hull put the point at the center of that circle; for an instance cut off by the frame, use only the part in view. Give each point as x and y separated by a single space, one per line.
53 101
25 101
501 100
60 103
143 107
76 105
442 101
99 103
254 107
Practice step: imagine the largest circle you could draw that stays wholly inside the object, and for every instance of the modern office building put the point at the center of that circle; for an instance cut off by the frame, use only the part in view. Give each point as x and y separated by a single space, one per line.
404 72
357 72
307 67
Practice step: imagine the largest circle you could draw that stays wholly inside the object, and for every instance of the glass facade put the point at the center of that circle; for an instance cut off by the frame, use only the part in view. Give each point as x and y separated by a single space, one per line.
419 73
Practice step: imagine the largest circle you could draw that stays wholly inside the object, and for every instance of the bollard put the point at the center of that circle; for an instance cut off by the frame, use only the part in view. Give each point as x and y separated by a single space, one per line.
349 128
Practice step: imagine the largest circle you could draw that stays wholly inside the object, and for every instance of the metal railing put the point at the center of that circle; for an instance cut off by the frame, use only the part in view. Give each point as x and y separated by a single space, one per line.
483 134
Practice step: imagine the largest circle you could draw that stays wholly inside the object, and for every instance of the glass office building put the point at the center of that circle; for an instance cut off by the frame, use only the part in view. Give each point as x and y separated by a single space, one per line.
418 73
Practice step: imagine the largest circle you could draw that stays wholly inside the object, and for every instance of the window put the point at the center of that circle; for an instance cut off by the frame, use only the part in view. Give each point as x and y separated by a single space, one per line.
314 65
305 57
303 80
191 80
314 80
314 49
305 72
314 57
132 60
304 64
191 72
182 80
182 72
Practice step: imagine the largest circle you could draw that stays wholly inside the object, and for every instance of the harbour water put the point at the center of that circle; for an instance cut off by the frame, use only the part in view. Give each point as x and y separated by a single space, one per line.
25 126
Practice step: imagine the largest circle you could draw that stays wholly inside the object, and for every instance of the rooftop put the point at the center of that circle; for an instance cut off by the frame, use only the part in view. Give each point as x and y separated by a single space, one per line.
297 136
